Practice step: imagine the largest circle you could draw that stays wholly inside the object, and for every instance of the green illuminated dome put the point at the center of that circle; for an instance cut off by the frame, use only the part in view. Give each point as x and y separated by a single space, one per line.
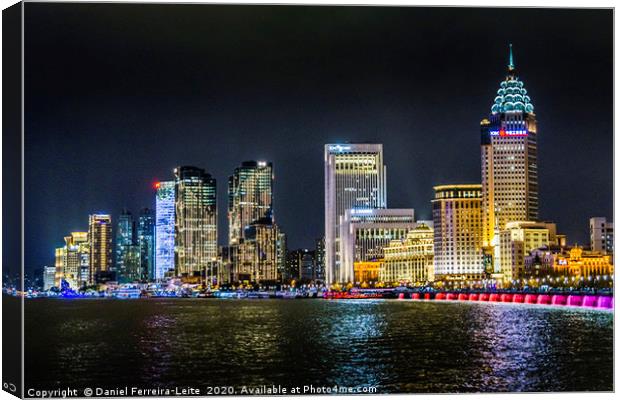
512 95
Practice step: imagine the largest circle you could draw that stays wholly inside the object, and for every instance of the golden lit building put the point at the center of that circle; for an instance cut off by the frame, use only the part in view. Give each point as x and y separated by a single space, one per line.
72 259
518 240
509 164
367 271
410 260
582 263
457 224
256 256
100 239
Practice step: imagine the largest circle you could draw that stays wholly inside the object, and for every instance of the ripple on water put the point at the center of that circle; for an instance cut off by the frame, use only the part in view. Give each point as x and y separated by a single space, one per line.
398 346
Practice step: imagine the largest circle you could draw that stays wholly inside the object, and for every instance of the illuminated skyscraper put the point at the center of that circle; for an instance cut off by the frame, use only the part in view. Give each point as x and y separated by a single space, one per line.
195 224
354 178
125 238
100 239
164 229
509 161
146 244
365 232
249 197
457 222
254 239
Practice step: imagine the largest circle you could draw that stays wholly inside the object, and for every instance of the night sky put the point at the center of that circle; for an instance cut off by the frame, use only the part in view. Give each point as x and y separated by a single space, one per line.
118 95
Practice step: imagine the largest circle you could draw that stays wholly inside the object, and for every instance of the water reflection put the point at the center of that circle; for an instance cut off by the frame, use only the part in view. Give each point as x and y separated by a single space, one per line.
399 346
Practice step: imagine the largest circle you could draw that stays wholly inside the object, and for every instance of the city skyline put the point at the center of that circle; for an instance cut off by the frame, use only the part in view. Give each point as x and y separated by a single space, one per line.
409 155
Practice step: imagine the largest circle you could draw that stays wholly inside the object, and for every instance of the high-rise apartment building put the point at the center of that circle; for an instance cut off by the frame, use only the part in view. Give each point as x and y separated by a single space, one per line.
195 224
365 232
601 235
355 177
457 222
100 240
509 161
146 244
165 204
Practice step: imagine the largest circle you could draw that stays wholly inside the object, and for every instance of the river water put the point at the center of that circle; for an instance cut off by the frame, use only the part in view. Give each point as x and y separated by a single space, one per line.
394 346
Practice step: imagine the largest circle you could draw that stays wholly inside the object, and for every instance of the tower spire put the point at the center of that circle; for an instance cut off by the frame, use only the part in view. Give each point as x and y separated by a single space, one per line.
511 63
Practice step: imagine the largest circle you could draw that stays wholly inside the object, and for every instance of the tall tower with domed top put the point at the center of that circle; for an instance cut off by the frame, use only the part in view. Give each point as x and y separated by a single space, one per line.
509 159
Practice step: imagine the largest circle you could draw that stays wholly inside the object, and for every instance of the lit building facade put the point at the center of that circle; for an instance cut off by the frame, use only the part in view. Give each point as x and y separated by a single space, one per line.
367 271
365 232
100 240
195 224
320 259
601 235
70 259
132 271
509 161
125 240
146 244
517 240
249 197
49 277
165 203
409 260
561 262
457 223
355 177
256 243
224 268
281 254
255 259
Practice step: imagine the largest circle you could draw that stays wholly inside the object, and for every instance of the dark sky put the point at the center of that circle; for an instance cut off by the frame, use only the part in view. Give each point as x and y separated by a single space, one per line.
118 95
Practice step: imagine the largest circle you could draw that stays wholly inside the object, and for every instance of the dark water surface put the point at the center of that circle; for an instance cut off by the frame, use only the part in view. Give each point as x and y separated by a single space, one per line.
397 346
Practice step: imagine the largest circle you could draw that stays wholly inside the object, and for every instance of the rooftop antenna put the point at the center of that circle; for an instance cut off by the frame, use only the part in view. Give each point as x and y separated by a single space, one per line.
511 63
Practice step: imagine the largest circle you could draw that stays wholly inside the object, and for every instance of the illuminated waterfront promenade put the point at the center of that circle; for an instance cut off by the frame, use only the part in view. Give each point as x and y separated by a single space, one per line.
602 299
